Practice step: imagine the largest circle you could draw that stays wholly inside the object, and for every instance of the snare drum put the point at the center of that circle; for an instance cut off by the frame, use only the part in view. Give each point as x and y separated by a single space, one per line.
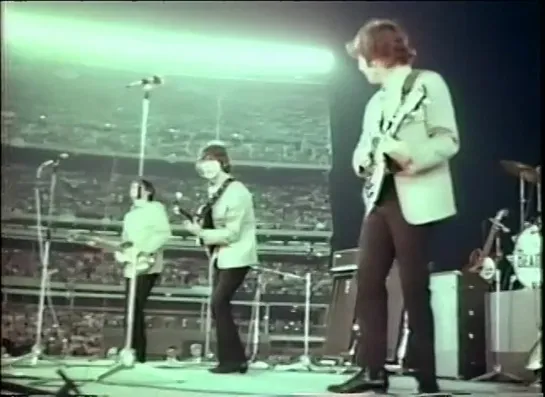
526 258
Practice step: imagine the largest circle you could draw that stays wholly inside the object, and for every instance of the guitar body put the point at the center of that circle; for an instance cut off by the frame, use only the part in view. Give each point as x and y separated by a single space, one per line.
482 261
203 216
122 251
485 266
381 163
142 262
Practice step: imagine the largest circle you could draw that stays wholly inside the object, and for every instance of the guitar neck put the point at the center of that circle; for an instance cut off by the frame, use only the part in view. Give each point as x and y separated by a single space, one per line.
487 247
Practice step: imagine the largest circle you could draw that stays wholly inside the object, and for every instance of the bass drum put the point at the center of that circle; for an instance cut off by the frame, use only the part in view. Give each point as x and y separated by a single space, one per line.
526 258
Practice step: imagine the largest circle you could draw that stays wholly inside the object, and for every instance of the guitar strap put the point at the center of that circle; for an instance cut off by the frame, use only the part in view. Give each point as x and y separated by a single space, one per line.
205 214
408 85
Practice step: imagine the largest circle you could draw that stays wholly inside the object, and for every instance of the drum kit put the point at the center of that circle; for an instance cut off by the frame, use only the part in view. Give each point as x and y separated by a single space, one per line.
526 256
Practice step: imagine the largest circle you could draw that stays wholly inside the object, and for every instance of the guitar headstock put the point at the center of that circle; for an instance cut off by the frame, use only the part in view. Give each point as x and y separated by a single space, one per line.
501 214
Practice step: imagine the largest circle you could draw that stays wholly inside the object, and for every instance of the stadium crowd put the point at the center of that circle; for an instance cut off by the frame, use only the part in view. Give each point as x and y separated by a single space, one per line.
98 268
78 108
82 194
79 331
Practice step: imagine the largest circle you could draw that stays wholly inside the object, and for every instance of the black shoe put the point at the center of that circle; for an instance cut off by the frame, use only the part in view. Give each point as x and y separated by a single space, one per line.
363 381
230 368
429 388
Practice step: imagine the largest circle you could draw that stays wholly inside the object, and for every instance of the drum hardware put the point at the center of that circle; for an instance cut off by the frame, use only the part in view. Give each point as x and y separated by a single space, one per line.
535 362
525 174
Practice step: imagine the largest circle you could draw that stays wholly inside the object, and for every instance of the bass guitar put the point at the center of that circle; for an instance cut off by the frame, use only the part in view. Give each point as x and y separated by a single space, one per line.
123 251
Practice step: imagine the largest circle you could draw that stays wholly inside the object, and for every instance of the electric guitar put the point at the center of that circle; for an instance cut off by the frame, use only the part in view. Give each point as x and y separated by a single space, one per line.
480 260
203 217
123 252
381 164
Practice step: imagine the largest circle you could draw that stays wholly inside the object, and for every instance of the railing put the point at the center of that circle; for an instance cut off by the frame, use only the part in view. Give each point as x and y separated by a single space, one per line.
21 290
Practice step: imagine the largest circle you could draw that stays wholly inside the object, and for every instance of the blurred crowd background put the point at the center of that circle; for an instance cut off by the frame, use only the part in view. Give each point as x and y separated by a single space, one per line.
299 204
260 121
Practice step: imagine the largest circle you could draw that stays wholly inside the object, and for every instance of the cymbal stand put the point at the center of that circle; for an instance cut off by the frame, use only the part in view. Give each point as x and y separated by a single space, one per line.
45 256
522 203
497 369
538 201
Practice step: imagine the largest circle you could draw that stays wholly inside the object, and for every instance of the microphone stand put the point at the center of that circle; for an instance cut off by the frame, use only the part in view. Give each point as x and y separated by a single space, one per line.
127 357
254 329
36 352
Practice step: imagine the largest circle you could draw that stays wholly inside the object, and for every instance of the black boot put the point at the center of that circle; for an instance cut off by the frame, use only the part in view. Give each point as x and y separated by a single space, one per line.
363 381
429 387
230 368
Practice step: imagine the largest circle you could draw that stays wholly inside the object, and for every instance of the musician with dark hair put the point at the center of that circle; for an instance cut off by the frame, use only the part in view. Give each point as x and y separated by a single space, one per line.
228 231
409 135
146 230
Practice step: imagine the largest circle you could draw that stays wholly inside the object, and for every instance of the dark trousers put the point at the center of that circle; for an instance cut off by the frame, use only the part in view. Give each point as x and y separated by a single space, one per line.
386 236
144 285
229 346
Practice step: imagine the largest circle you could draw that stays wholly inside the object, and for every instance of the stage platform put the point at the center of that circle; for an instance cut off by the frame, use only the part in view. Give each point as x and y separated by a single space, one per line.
158 379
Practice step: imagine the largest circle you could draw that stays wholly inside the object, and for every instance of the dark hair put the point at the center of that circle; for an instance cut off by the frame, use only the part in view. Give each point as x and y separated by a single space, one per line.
384 40
148 187
217 151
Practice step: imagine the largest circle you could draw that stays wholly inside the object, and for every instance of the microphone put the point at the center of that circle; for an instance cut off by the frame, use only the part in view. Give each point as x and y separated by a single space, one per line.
146 82
54 163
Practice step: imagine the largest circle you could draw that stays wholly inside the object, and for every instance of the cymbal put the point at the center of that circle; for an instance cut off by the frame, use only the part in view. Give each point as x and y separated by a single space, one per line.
523 171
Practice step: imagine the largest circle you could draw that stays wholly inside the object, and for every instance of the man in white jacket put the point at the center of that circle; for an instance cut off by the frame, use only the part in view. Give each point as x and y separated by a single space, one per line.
416 193
146 229
230 237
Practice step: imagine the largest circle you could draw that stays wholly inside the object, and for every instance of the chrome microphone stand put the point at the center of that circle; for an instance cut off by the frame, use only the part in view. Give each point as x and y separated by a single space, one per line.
255 323
304 363
36 352
127 358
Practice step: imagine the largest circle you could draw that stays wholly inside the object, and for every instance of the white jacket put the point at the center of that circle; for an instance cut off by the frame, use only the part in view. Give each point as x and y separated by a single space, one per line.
431 134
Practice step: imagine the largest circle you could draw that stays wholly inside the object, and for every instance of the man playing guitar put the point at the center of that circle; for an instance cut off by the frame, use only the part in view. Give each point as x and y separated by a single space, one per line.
410 132
146 230
229 234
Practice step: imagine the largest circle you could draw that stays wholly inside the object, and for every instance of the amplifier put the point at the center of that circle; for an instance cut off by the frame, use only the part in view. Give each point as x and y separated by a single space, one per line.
458 309
340 317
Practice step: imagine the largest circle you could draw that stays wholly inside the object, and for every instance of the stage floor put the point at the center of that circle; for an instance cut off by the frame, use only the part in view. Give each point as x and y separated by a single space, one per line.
187 380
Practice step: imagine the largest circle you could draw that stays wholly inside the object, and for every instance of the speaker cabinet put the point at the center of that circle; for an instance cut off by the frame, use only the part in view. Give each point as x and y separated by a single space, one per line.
458 309
341 313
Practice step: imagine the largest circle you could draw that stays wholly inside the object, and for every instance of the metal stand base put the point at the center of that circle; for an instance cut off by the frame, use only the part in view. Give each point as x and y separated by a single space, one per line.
31 359
125 360
303 364
498 375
